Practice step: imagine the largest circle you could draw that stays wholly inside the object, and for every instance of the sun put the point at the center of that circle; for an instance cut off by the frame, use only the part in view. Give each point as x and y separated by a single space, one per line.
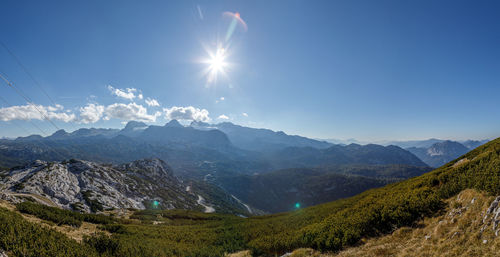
217 64
217 61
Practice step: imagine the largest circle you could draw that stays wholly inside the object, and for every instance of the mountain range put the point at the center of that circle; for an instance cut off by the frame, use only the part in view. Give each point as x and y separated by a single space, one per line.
224 161
186 149
233 168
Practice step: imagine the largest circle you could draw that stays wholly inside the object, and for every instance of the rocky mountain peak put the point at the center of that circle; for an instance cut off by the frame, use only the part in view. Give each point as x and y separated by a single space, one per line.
131 125
199 124
60 133
174 124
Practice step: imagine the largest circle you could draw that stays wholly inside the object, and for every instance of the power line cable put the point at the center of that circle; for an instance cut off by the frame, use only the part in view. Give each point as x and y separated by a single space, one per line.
25 69
21 93
18 61
36 126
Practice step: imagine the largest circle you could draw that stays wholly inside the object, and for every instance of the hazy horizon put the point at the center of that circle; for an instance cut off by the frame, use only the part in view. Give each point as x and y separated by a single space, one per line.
341 140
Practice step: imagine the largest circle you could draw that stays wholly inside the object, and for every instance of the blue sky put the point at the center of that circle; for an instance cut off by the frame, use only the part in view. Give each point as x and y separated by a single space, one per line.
371 70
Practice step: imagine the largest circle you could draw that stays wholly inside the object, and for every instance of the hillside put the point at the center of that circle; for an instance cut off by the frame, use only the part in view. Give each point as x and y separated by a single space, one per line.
462 228
327 227
281 190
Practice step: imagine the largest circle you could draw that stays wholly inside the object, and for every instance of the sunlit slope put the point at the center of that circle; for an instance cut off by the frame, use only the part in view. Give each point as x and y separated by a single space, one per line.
461 229
335 225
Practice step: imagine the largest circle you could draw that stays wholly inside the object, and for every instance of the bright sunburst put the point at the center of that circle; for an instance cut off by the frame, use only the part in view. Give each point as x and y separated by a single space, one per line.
217 64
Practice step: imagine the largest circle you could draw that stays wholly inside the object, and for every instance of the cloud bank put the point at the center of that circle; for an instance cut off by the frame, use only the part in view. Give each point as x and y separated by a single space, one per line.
131 111
35 112
187 113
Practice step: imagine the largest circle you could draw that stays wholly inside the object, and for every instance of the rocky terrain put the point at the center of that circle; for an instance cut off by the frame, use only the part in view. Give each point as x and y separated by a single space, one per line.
91 187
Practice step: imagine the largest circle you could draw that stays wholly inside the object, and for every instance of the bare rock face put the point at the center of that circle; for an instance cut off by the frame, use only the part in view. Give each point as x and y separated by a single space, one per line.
492 216
87 186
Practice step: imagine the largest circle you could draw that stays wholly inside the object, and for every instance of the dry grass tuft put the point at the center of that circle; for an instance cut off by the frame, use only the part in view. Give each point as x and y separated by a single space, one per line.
240 254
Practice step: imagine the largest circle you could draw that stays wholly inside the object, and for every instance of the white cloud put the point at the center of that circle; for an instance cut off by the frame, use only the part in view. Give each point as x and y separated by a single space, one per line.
223 117
131 111
140 96
35 112
245 114
91 113
187 113
57 107
152 102
220 99
128 93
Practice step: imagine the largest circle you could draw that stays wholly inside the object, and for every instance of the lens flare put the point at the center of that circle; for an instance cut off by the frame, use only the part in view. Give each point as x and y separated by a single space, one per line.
235 20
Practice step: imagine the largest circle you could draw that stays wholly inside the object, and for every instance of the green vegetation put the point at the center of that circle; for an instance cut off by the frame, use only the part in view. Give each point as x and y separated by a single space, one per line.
22 238
62 217
94 204
327 227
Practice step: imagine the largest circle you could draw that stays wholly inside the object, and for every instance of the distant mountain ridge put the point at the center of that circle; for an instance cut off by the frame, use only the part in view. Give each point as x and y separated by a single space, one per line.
442 152
351 154
189 149
264 140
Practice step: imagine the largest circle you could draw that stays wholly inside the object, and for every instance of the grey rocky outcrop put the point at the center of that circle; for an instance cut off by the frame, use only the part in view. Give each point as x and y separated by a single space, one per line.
492 216
82 184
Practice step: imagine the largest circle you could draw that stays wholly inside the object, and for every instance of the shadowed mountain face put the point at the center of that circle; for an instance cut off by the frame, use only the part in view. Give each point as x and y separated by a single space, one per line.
280 190
262 140
195 152
350 154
